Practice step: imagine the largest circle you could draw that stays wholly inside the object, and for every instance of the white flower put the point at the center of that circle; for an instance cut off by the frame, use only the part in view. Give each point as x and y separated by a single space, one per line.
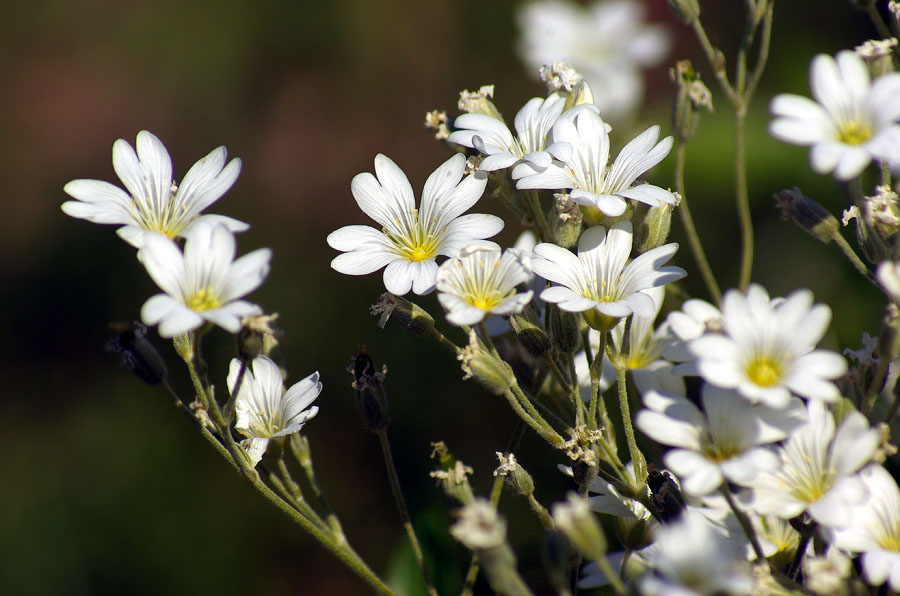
695 558
888 274
411 239
853 122
202 284
264 410
493 138
723 441
598 281
608 42
586 171
875 530
817 471
768 349
153 202
481 281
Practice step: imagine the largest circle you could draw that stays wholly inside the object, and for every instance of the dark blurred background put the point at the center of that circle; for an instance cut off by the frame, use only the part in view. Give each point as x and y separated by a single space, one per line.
105 488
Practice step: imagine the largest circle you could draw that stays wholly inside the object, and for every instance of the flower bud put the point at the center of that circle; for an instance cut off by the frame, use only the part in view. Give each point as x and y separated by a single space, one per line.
568 221
409 316
666 499
530 332
137 354
575 520
878 55
479 363
564 329
690 97
654 228
807 214
256 337
686 10
371 398
479 102
515 475
452 474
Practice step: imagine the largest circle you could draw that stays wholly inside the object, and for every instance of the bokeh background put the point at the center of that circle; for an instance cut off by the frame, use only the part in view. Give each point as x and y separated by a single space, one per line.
104 487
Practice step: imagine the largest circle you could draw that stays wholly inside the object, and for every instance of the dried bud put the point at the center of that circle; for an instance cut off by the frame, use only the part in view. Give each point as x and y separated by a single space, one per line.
568 222
479 527
136 353
256 337
560 76
452 475
515 475
479 102
686 10
691 96
655 225
479 363
564 329
881 213
529 331
371 398
436 120
878 55
577 522
666 499
408 315
807 214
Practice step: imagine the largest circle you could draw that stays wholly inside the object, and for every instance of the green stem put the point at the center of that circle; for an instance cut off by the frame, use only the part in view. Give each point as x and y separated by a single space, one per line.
596 371
854 259
743 199
637 458
716 61
297 496
614 580
745 524
531 416
544 231
442 339
301 451
394 481
688 222
541 512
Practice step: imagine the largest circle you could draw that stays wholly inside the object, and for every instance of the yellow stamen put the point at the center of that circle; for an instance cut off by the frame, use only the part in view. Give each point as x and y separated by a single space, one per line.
763 371
202 299
854 132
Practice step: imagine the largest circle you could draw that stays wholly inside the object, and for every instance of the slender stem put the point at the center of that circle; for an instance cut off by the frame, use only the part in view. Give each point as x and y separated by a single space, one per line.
596 370
745 523
394 481
743 200
541 512
442 339
854 259
688 222
530 415
871 396
637 458
297 496
543 227
763 56
806 532
875 16
714 57
301 451
486 339
614 580
894 406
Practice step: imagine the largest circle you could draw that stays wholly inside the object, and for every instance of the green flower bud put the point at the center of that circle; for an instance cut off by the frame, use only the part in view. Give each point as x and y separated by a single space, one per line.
529 331
515 475
690 97
568 221
479 102
408 315
654 227
479 363
564 329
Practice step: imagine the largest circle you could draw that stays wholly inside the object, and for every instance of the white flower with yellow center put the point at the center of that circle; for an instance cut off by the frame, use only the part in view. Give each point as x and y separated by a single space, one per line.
767 350
600 282
586 170
853 122
875 530
724 441
264 410
482 281
817 470
202 284
493 138
411 239
153 203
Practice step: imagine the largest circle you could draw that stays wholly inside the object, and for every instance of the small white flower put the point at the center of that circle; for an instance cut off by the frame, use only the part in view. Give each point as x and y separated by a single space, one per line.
412 238
599 281
586 171
875 530
264 410
202 284
608 42
853 122
724 441
493 138
153 203
768 349
481 281
817 471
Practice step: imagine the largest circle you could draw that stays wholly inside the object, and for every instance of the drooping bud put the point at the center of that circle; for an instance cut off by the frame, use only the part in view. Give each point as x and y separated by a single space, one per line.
807 214
136 353
564 329
529 331
371 398
568 221
479 363
407 314
686 10
515 475
655 225
479 102
691 96
452 475
256 337
574 518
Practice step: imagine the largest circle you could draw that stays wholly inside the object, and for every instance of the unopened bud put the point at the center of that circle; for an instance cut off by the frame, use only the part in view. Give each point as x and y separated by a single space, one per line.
256 337
686 10
452 475
371 398
515 475
529 331
564 329
691 96
408 315
137 354
655 225
807 214
574 518
568 222
479 102
666 499
479 363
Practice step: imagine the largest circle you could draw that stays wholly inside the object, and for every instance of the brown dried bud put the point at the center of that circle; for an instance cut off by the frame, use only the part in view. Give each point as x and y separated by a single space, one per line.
371 398
408 315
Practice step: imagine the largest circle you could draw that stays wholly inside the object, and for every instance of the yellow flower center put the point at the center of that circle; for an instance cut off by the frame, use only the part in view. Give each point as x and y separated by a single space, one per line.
854 132
764 371
890 542
201 300
419 243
